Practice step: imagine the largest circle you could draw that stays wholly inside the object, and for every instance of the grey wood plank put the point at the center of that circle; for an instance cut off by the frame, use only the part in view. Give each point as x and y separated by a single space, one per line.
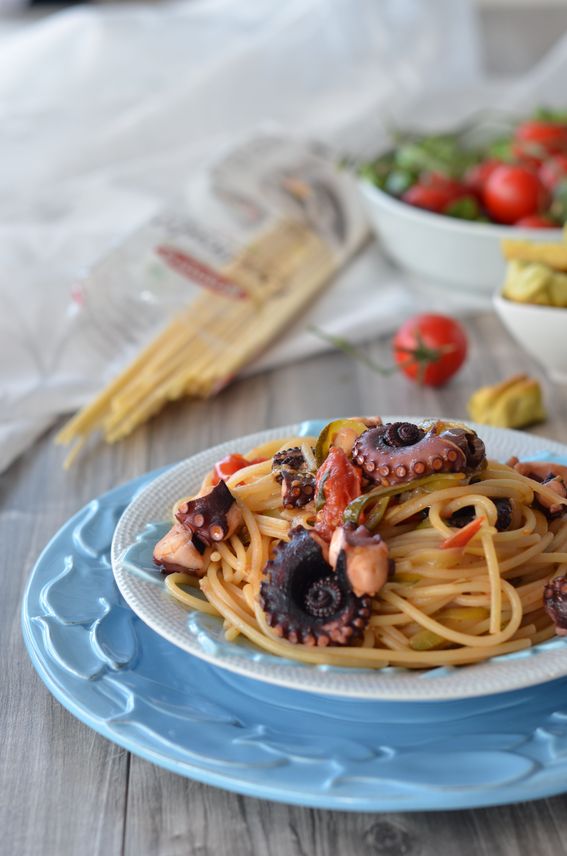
61 785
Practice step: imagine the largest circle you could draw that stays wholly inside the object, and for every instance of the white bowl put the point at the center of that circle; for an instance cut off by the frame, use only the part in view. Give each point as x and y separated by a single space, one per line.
540 330
444 250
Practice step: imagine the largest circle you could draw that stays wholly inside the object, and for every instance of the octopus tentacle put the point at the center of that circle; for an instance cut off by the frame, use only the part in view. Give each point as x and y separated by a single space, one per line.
400 452
289 459
297 488
553 476
364 556
212 517
180 550
291 470
305 601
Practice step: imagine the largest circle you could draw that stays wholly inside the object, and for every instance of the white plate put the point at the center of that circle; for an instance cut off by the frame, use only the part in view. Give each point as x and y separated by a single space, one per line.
143 588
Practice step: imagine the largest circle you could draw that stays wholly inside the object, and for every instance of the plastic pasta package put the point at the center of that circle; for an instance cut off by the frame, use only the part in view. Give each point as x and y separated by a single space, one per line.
205 286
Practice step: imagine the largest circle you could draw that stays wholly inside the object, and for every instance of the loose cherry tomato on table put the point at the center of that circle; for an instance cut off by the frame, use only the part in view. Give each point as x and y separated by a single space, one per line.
228 466
512 192
430 348
553 171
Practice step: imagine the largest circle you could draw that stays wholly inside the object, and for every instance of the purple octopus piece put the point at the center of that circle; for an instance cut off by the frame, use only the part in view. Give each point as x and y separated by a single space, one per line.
305 601
467 514
555 603
212 517
400 452
554 477
289 459
364 556
297 488
181 551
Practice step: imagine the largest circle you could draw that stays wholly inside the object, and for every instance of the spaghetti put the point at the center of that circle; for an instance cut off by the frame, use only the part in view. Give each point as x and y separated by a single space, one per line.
469 554
209 341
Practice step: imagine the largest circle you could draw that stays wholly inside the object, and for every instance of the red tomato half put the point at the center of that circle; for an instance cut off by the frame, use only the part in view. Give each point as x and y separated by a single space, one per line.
550 136
227 467
553 171
512 192
338 483
535 222
435 192
450 186
430 348
431 198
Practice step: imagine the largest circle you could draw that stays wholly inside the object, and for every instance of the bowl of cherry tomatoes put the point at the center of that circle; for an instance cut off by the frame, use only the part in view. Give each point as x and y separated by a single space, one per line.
441 204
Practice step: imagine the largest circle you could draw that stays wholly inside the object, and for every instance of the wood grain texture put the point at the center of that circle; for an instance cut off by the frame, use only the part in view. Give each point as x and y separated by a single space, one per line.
63 789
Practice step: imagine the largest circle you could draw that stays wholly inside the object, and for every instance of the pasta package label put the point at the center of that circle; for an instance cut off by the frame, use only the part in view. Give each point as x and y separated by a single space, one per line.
247 243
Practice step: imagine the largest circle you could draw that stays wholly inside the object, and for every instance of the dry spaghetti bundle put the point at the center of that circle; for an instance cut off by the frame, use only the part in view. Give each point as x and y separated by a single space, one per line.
244 306
469 558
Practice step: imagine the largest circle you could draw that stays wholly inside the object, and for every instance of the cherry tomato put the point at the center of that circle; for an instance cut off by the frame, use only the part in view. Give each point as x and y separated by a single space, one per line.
430 348
442 182
338 482
431 198
435 191
228 466
534 134
534 221
553 171
530 156
512 192
477 176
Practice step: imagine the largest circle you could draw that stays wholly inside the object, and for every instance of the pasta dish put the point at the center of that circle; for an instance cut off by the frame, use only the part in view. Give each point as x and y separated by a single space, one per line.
375 544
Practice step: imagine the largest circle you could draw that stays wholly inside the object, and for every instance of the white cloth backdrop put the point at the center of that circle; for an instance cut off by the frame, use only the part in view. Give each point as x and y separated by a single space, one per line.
104 111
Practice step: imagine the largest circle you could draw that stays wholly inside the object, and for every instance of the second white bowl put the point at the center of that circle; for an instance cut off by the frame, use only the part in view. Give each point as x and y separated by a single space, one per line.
540 330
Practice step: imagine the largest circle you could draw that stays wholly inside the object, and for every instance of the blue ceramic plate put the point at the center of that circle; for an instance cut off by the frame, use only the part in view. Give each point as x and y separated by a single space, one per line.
129 684
143 587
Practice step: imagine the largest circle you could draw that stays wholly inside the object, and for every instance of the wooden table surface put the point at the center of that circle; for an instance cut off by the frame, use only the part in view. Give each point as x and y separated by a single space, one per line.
65 790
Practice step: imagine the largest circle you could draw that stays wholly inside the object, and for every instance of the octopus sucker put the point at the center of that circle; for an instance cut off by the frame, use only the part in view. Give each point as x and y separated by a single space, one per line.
213 517
298 489
305 600
200 523
397 452
291 470
290 459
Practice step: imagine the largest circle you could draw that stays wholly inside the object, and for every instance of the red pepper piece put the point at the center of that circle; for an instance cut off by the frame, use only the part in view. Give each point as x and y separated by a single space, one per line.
464 535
